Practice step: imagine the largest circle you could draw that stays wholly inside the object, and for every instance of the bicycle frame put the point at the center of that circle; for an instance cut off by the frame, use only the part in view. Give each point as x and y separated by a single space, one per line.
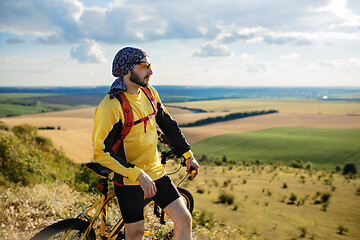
100 207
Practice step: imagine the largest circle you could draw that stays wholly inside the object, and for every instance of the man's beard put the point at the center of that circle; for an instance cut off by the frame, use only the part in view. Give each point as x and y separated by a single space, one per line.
137 80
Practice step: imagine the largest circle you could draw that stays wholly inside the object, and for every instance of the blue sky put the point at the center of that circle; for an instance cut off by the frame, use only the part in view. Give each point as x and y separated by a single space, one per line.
190 42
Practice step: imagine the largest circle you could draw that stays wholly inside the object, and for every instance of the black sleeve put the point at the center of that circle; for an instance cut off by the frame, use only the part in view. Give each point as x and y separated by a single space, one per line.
172 132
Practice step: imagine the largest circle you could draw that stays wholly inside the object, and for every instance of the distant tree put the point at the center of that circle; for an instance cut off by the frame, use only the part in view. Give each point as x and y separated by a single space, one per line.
349 168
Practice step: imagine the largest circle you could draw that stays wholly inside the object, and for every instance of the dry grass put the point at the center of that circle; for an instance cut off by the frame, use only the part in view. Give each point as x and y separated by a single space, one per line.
24 211
261 207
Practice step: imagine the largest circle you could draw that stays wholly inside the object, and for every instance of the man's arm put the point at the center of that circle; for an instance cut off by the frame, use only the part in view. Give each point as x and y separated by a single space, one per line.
172 132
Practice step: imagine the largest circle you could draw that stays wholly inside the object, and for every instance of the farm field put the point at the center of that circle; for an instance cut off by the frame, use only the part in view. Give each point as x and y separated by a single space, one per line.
76 125
260 203
14 104
282 105
324 148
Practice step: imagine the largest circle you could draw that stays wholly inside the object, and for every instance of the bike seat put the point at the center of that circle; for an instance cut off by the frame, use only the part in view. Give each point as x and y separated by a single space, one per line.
98 169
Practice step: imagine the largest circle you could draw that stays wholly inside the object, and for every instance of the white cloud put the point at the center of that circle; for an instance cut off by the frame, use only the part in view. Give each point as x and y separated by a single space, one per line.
290 56
349 63
213 50
68 21
257 68
340 9
89 52
37 17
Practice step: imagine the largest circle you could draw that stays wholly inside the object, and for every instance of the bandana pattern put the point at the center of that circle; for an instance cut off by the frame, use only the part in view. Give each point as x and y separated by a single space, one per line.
123 63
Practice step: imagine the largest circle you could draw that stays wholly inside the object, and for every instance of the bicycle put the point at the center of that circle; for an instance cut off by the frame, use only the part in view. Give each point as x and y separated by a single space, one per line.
82 227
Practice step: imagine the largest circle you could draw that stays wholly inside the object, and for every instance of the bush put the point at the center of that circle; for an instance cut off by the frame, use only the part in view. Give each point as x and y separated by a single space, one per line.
349 168
200 190
26 159
296 163
308 166
226 198
325 197
292 198
341 229
25 132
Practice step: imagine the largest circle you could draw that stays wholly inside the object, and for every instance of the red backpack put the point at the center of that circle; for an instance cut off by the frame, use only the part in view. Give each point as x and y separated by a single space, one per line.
129 117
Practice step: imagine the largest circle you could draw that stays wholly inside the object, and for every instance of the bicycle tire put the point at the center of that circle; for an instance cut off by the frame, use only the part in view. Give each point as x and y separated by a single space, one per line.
188 198
77 225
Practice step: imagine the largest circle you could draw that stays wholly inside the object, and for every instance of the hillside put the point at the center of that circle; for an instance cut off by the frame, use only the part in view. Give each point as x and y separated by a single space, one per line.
40 185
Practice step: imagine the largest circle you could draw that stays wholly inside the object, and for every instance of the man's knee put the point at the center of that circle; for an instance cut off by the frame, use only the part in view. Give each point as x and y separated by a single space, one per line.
184 221
134 231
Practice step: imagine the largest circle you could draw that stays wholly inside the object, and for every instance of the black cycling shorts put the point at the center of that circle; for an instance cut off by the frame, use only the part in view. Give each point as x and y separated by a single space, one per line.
131 198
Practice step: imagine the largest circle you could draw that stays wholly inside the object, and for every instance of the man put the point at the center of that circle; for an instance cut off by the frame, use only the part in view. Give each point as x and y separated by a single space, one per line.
134 157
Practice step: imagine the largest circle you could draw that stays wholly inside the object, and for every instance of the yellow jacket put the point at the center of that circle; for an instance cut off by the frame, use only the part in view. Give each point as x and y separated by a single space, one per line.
139 148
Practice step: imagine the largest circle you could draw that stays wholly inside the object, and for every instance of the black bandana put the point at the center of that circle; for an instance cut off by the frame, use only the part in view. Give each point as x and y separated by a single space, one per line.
123 63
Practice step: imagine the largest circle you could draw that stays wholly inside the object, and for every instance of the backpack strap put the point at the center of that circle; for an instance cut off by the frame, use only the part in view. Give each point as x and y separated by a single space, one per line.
128 122
151 97
129 117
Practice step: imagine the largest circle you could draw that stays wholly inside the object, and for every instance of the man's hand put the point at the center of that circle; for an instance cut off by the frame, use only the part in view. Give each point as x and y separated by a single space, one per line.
191 162
147 185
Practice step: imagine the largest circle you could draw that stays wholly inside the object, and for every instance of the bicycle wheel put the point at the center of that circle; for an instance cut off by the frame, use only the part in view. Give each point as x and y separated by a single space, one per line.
67 229
164 230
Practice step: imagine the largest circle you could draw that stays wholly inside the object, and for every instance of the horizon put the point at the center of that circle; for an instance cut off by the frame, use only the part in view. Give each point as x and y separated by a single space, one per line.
220 43
186 86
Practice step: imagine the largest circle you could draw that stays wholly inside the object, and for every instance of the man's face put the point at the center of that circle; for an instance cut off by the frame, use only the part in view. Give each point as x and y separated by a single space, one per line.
140 74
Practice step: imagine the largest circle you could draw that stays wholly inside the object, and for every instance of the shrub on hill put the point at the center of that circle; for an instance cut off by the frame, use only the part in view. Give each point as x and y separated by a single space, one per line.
296 163
226 198
349 168
28 159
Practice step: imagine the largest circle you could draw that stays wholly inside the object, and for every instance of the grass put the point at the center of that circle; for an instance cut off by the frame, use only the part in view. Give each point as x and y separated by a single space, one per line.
324 148
261 203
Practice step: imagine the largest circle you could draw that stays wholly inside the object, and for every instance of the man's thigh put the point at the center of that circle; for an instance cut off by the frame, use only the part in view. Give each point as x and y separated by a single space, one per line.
177 211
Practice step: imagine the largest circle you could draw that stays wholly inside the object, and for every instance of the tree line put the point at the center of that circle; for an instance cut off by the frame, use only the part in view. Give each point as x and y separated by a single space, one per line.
228 117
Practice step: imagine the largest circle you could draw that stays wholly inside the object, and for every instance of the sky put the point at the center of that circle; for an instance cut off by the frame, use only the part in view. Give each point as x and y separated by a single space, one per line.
190 42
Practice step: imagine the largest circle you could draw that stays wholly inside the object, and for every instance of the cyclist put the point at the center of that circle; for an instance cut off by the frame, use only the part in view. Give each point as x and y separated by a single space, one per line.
133 156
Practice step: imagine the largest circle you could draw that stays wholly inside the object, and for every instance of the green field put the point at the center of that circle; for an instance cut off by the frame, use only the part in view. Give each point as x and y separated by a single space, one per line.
15 104
324 148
